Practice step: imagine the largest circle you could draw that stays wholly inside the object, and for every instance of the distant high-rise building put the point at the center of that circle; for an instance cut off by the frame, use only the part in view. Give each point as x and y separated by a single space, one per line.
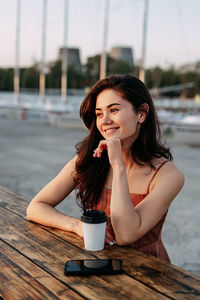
124 53
73 57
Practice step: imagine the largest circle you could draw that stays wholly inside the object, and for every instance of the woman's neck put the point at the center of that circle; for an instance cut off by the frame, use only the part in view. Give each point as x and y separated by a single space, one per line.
129 163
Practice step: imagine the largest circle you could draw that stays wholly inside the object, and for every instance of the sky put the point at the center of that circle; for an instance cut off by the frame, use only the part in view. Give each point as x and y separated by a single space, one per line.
172 32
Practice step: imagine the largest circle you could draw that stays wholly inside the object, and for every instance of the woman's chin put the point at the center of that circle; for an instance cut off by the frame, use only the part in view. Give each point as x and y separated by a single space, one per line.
112 137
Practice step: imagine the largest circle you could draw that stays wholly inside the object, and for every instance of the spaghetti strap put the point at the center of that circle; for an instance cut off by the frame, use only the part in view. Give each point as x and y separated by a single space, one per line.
160 166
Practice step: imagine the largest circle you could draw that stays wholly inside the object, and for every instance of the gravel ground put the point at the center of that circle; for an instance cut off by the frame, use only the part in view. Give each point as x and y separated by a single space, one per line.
32 154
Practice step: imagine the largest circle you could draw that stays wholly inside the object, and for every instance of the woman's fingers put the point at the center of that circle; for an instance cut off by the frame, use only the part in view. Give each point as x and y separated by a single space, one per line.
114 151
101 147
109 240
105 144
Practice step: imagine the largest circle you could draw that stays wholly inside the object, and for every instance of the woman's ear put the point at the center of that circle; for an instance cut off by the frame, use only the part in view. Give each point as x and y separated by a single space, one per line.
143 112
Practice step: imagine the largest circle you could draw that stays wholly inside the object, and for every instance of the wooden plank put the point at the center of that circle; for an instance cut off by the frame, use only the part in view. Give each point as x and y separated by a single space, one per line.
166 278
50 253
13 202
170 280
22 279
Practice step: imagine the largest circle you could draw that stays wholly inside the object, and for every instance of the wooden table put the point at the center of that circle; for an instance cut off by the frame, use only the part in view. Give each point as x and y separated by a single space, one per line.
32 259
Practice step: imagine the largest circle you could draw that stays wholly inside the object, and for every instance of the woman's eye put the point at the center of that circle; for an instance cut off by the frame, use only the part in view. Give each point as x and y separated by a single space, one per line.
113 109
98 115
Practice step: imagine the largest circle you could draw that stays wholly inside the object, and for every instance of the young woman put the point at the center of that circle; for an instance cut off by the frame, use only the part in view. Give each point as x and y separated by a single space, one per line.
121 167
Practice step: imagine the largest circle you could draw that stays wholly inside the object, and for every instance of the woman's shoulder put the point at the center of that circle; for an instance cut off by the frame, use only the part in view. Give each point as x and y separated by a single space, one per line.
70 165
167 166
168 172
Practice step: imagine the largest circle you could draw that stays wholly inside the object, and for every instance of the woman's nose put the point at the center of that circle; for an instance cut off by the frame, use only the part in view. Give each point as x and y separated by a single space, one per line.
106 118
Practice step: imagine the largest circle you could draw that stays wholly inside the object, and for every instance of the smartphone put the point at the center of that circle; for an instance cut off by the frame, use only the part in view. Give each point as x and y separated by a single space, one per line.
93 266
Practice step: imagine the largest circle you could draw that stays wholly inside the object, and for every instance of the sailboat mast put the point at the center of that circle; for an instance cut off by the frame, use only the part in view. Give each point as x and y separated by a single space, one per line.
144 38
64 55
17 49
42 68
105 35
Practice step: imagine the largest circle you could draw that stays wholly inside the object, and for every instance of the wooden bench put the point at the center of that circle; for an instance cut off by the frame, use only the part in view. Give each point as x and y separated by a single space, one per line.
32 259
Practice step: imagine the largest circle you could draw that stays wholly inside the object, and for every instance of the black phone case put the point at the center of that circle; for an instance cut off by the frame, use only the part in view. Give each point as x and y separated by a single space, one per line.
83 271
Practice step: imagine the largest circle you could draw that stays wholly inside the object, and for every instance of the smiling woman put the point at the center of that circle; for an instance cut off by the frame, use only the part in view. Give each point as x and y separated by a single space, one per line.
118 119
121 168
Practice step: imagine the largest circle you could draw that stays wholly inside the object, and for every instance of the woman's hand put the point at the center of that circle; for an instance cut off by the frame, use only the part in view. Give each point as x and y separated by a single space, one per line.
114 150
109 240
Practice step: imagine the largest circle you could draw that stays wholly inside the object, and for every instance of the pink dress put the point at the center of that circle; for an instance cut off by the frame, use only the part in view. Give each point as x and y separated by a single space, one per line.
150 243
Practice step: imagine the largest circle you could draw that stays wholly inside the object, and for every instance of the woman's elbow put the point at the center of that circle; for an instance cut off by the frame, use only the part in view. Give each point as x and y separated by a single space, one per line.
121 242
30 212
126 240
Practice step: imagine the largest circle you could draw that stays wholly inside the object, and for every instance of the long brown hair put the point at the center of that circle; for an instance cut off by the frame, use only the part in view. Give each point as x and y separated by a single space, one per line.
91 173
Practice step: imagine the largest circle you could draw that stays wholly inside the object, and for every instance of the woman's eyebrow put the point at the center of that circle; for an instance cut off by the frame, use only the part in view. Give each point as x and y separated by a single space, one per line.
110 105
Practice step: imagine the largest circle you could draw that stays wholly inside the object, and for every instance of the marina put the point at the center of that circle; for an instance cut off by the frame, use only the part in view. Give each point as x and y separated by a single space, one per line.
175 115
56 60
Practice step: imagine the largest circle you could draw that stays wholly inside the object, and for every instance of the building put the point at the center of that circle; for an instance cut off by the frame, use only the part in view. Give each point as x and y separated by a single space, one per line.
123 53
73 57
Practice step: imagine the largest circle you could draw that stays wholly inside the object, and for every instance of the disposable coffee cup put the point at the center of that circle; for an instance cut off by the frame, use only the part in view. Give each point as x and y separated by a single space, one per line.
94 228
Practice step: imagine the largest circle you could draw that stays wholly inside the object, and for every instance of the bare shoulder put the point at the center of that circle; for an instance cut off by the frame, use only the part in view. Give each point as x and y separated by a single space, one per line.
169 174
71 165
68 171
170 169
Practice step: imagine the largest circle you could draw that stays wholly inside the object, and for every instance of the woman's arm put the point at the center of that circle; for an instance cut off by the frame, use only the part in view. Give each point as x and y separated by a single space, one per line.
41 208
130 223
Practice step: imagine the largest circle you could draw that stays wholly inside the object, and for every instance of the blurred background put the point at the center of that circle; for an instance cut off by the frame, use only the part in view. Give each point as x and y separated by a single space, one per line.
52 52
36 35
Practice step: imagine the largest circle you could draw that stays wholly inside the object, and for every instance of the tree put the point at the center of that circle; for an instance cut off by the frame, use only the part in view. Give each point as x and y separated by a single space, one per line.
170 77
6 79
153 77
92 70
30 77
75 78
114 66
53 77
118 66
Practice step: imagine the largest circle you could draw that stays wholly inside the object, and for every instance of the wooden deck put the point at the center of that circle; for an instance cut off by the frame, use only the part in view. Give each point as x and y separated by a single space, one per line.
32 259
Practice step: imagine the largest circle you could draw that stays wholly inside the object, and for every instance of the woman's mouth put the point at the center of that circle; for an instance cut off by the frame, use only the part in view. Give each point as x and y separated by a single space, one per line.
111 130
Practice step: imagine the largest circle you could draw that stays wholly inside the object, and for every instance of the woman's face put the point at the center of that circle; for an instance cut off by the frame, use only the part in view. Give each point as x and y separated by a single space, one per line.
116 118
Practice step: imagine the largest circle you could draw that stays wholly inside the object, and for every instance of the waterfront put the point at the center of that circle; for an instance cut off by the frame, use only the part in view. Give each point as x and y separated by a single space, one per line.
32 154
175 114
